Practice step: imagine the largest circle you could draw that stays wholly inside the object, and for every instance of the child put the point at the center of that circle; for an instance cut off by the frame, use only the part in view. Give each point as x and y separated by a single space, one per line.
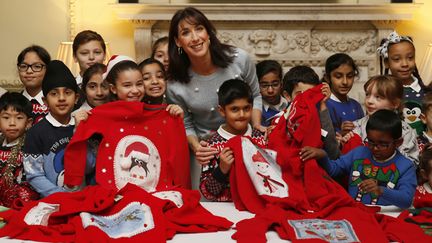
235 105
15 119
95 89
88 48
31 63
384 92
147 152
379 173
340 71
45 142
269 74
398 53
301 78
160 51
426 117
423 195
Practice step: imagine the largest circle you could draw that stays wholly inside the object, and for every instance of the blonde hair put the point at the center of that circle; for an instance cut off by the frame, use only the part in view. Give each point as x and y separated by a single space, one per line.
387 87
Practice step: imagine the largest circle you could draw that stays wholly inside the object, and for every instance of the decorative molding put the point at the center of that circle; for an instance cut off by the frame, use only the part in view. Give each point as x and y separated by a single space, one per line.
14 85
292 34
72 19
348 42
273 11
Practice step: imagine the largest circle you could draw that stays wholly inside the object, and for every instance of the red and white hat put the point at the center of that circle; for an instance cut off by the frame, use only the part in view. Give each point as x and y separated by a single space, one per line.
113 61
138 147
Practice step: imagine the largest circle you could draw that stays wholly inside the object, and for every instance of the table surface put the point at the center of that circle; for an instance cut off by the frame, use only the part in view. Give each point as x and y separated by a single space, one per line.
227 210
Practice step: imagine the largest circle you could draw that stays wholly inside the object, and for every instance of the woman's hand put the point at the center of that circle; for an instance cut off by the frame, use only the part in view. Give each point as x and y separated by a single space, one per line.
203 153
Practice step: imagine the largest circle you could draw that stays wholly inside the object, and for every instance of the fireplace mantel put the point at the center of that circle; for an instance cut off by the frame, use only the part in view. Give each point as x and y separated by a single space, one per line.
292 34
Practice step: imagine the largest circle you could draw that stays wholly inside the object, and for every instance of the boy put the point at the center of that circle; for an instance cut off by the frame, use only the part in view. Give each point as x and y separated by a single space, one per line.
15 119
45 142
426 117
269 74
88 48
379 173
301 78
235 105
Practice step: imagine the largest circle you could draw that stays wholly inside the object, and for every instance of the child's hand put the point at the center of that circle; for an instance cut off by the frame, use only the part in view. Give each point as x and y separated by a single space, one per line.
81 115
370 186
325 90
307 153
346 137
226 160
260 128
203 153
175 110
346 127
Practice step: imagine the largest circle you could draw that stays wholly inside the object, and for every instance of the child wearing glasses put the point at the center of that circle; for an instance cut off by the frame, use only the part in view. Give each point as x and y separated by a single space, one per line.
385 92
31 64
269 74
378 173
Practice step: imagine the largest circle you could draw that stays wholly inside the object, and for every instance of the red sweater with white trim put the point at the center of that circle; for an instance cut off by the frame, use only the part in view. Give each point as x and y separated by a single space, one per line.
141 144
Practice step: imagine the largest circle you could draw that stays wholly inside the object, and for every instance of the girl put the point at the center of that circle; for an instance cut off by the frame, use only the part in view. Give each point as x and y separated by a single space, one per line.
340 71
88 48
31 63
121 123
398 53
423 195
154 78
95 89
385 92
160 51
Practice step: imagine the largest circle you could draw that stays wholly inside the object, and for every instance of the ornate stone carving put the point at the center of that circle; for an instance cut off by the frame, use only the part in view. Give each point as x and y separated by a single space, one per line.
13 85
262 41
347 42
288 42
72 19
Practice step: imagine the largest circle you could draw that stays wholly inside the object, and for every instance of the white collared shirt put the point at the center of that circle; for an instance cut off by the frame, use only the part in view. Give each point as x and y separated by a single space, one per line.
227 135
427 137
427 187
56 123
79 80
333 97
38 97
283 103
8 145
414 85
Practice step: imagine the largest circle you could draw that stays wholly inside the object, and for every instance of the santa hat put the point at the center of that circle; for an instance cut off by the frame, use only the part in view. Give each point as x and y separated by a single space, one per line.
113 61
258 158
138 147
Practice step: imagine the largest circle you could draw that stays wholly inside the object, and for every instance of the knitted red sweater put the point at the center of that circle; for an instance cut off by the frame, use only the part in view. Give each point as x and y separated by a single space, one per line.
298 199
99 214
141 144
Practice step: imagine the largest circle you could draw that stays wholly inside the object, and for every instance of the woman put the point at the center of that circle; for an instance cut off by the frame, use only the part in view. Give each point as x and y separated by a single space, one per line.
199 64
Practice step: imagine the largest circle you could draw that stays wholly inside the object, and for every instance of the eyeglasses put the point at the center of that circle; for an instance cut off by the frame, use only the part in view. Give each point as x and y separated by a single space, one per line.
379 146
36 67
267 86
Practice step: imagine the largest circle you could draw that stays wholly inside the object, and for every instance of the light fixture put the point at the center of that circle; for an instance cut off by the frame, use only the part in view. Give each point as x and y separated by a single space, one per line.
425 67
65 54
